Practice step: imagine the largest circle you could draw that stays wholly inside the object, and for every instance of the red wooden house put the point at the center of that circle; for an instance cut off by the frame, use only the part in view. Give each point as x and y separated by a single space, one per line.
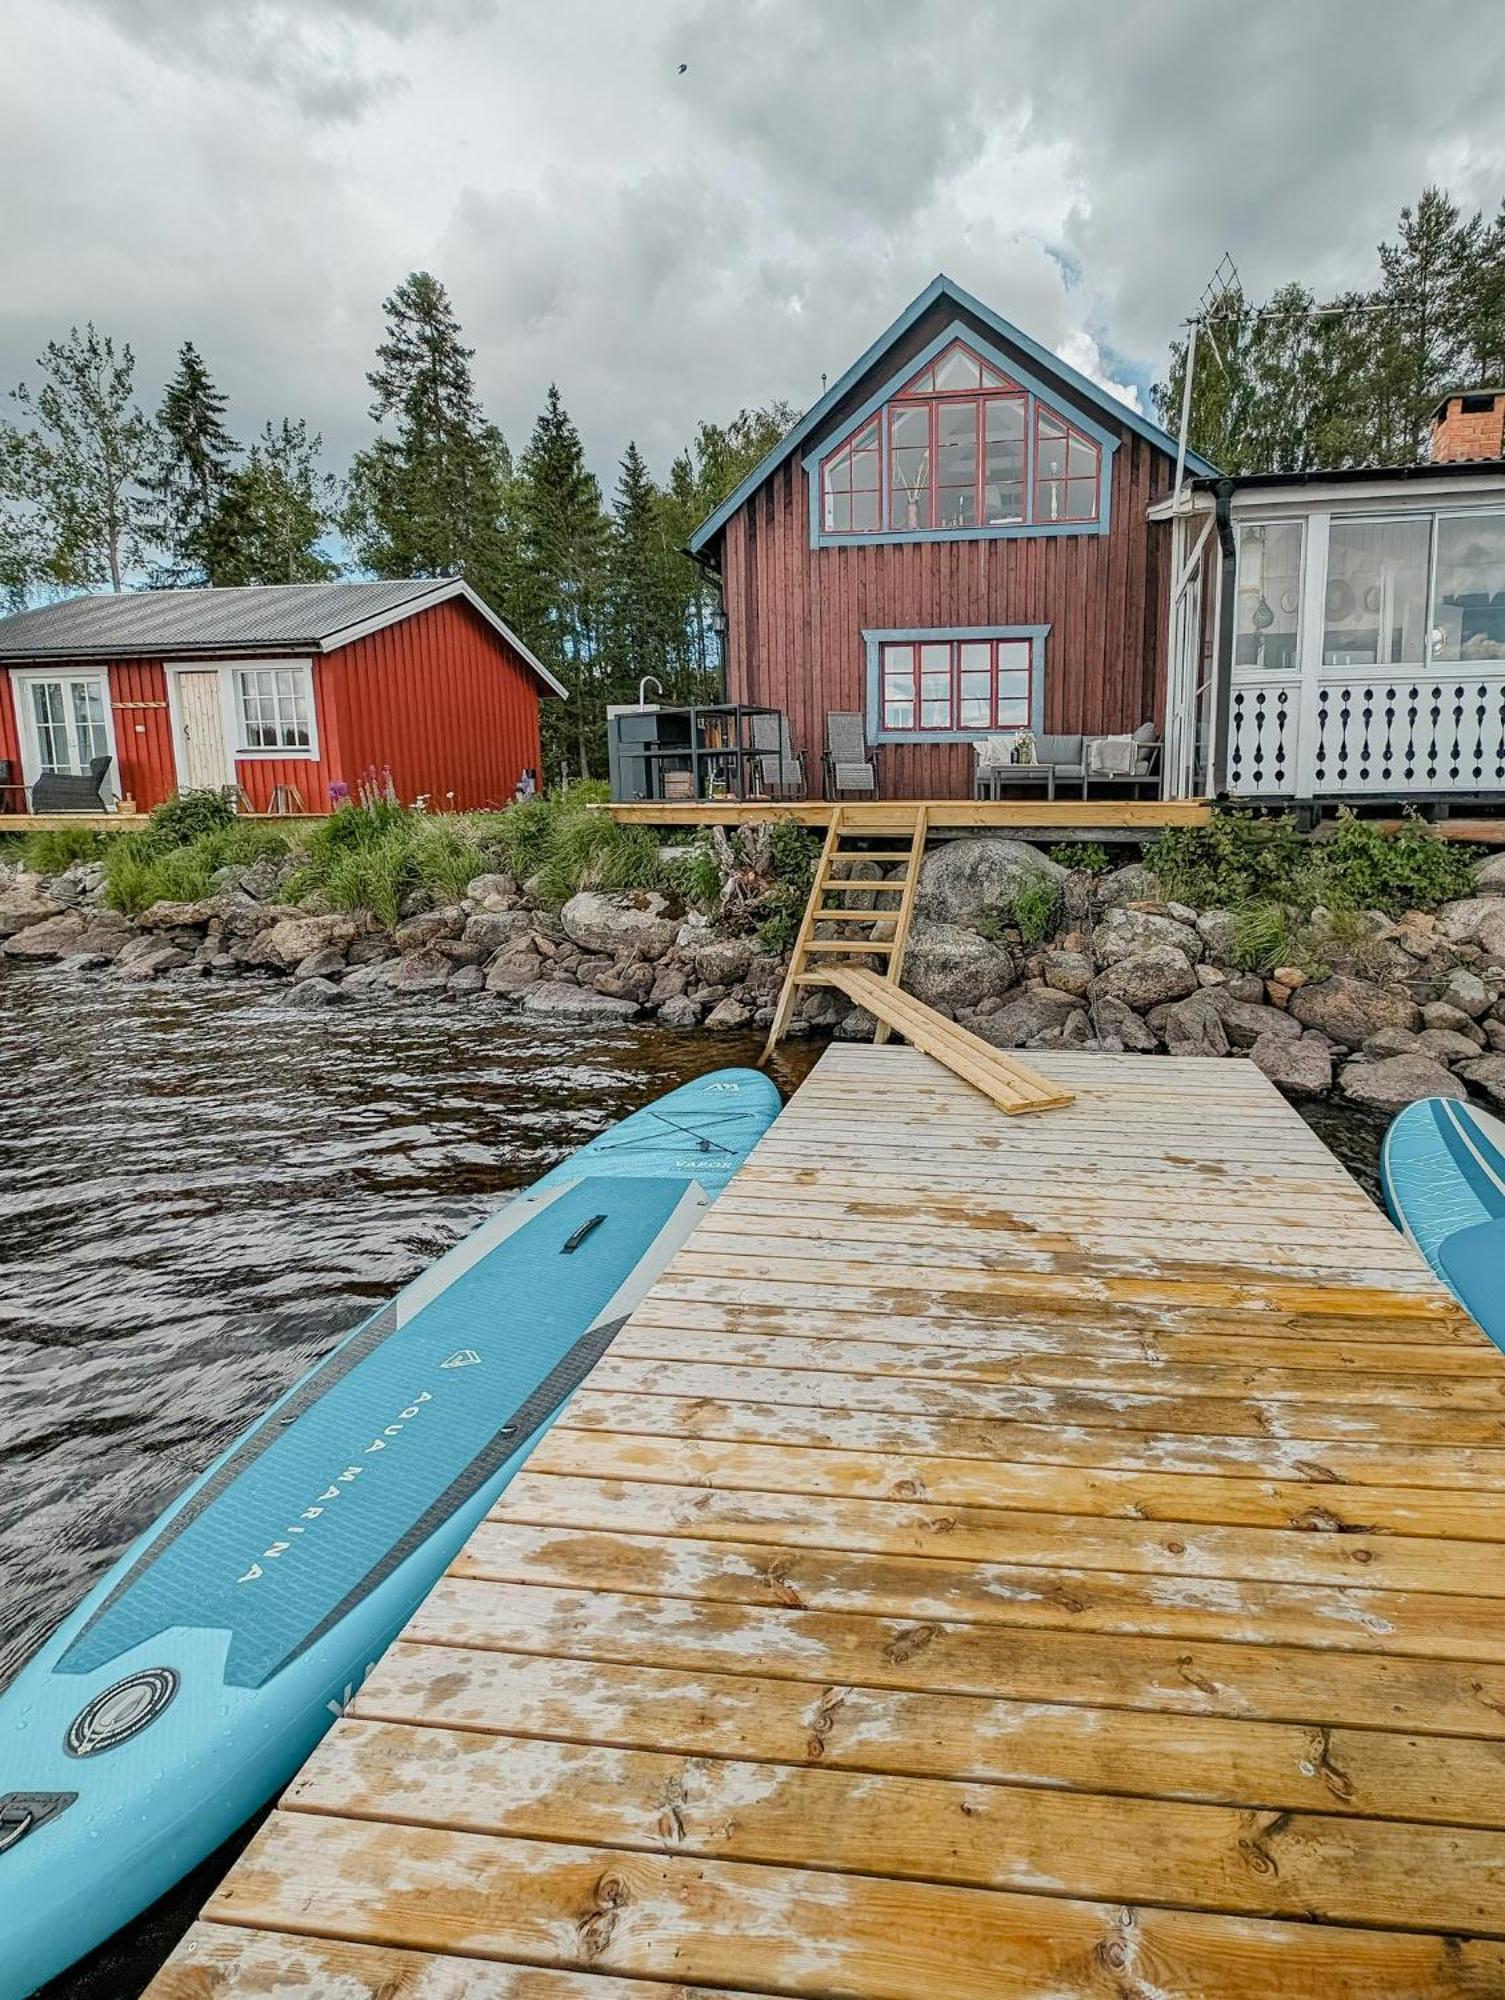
953 542
302 687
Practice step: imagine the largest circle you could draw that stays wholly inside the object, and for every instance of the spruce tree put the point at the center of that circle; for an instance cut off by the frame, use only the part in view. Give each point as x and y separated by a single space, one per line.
79 473
273 512
428 498
557 601
644 607
198 456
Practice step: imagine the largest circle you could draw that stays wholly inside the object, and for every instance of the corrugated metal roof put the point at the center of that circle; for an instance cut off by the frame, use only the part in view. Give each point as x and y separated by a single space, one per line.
154 623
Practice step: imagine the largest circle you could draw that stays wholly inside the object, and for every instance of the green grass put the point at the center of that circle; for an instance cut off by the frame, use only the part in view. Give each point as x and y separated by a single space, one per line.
51 851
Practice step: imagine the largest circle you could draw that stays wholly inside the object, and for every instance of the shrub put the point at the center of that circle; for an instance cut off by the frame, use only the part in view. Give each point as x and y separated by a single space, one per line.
696 875
188 816
1035 907
1236 858
49 853
1362 866
140 870
1088 855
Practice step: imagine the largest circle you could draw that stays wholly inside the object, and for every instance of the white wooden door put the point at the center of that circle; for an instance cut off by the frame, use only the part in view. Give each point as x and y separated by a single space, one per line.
201 734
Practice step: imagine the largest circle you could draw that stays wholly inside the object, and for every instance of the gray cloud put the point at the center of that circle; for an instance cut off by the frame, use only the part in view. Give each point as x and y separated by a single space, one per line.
258 176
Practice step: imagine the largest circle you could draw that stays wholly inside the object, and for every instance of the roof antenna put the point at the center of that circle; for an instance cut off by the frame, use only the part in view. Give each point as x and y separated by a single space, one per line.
823 381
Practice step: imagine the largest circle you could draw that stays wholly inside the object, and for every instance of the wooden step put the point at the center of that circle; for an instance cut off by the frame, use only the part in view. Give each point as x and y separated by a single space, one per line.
856 882
825 916
847 944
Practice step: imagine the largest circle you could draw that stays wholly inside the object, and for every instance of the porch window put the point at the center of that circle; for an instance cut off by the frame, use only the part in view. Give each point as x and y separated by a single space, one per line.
1375 609
957 685
961 448
1269 595
1468 603
275 707
68 717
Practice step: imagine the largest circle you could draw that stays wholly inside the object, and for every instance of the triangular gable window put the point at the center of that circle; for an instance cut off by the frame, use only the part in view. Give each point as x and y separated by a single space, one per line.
957 372
961 449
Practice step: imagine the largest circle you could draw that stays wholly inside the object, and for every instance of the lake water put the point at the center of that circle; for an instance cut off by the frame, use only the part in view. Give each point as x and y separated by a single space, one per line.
201 1188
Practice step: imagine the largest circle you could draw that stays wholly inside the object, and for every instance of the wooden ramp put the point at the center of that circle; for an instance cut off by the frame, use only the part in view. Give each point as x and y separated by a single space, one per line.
999 1558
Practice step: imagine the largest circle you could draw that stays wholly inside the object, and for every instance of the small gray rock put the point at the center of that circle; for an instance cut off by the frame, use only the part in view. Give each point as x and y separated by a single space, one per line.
1068 971
315 993
1147 979
1440 1014
1350 1010
1467 992
1300 1068
320 964
728 1014
678 1011
419 972
1021 1020
1445 1045
513 973
1390 1042
1117 1022
1194 1027
1486 1074
467 979
1125 933
552 997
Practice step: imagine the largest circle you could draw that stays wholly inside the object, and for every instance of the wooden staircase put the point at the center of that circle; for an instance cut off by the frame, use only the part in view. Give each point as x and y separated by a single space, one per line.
867 967
884 954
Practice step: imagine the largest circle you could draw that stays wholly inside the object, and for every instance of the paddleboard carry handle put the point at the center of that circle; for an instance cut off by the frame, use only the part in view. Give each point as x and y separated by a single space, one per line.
573 1243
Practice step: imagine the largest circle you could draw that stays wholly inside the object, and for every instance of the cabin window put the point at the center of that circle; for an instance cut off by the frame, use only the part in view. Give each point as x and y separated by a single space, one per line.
275 707
960 449
68 723
1374 611
1468 601
956 686
1268 617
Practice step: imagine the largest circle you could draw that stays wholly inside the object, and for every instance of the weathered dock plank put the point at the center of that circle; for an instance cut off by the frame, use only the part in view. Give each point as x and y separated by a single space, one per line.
1001 1556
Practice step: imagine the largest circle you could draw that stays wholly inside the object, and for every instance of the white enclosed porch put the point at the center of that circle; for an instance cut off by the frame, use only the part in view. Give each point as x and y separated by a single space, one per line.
1340 638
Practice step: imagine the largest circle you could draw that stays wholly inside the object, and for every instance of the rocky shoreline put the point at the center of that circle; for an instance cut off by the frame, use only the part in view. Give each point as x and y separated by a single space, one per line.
1419 1009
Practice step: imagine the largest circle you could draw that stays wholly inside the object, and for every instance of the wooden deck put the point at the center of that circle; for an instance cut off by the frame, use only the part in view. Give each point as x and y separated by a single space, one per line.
1001 1557
1056 819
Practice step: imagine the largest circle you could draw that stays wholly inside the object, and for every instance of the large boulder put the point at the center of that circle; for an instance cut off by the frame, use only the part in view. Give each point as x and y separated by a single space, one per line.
1396 1081
489 930
418 972
1486 1074
948 966
1117 1022
23 901
154 958
1446 1045
1489 875
1123 933
1132 884
728 1014
92 934
1068 971
679 1011
1194 1027
959 879
1247 1020
1476 920
1147 979
289 941
724 962
552 997
634 925
424 930
513 971
183 916
1350 1010
1302 1067
1037 1011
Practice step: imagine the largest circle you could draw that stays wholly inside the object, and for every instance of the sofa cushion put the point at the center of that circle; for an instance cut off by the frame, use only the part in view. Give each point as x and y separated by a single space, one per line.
1059 750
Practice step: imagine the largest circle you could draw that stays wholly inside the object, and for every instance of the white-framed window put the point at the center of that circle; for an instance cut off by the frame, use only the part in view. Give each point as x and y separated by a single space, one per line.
65 723
274 710
1468 590
1268 617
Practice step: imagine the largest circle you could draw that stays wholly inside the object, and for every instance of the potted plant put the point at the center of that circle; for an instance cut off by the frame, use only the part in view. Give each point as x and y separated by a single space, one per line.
1023 751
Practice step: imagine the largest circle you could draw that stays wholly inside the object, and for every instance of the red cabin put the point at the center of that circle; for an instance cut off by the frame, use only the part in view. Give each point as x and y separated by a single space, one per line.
952 543
295 694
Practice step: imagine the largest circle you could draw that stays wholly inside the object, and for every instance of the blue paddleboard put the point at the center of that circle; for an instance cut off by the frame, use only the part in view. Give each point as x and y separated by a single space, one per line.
1442 1167
198 1675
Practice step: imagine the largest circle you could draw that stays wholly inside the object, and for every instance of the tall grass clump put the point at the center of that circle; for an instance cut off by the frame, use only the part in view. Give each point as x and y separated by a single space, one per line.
52 850
175 857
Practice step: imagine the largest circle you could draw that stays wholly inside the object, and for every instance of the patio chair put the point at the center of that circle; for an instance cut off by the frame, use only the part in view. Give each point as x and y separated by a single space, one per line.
848 763
66 791
1124 760
778 767
993 757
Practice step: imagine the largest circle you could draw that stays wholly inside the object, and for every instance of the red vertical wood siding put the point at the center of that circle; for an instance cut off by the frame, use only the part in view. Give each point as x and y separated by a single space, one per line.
796 614
439 700
442 702
10 742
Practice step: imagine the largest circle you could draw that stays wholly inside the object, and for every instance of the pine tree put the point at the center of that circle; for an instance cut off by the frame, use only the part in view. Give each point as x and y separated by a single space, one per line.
273 512
1423 278
556 604
428 498
198 456
644 605
79 473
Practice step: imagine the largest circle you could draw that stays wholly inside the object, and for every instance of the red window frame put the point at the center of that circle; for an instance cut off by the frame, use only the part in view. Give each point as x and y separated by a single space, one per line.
1070 488
1013 643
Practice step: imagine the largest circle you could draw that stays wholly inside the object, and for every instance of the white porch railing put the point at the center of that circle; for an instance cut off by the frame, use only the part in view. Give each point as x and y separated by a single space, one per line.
1361 733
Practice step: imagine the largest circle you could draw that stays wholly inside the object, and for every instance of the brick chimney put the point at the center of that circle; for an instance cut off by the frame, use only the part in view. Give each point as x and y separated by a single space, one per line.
1469 423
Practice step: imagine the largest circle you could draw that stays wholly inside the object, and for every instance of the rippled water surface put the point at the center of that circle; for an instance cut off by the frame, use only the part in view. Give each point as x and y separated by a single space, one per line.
201 1188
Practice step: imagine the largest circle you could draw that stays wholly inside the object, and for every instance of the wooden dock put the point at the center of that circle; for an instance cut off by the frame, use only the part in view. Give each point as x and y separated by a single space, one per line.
1002 1557
1108 820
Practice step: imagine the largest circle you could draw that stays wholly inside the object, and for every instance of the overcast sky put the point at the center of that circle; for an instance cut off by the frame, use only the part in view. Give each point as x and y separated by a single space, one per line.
256 175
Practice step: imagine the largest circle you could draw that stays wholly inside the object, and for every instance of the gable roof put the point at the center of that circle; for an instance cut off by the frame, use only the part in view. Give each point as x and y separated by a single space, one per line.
940 287
299 617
